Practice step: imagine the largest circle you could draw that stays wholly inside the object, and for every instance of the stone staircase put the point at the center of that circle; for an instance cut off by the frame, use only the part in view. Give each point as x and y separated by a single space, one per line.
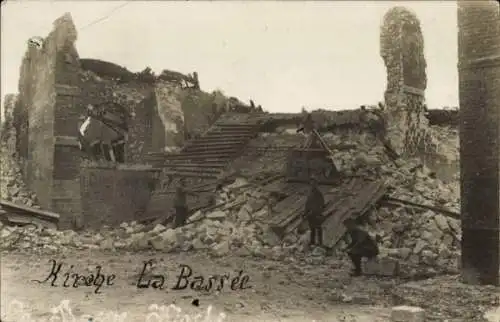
208 155
202 159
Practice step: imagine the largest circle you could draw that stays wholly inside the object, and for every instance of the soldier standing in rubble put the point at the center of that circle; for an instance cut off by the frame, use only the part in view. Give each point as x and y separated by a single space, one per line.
180 204
314 207
308 129
361 245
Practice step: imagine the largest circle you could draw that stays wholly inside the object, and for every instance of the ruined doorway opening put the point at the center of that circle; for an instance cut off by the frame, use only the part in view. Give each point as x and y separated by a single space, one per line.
103 134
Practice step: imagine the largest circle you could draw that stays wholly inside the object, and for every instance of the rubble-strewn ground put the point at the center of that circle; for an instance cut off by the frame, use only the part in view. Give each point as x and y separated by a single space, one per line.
290 281
281 291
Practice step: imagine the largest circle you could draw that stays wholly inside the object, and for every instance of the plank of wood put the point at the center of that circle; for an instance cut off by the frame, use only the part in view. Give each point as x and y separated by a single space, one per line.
291 216
364 195
23 219
22 215
36 212
443 211
284 204
295 208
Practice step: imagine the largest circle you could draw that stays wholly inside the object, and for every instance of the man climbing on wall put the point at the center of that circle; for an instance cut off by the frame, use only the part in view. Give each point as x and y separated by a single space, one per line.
313 212
361 245
374 122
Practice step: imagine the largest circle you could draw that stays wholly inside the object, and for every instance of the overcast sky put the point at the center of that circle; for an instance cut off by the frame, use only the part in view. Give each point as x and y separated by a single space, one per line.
283 55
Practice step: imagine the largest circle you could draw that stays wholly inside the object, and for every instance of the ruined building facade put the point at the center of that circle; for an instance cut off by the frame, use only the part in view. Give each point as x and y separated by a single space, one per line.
56 87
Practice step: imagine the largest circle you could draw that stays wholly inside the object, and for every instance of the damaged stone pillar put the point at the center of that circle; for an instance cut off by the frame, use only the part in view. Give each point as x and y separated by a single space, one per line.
402 49
479 79
169 108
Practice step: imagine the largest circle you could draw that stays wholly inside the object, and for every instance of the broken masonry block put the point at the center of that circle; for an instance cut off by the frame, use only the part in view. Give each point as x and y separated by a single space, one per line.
407 314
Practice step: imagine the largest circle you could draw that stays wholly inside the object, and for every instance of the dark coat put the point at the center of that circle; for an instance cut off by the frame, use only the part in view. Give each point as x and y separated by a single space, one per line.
315 205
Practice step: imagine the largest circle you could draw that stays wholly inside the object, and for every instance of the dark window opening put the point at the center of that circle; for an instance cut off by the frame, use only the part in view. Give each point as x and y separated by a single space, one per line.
96 149
119 151
107 152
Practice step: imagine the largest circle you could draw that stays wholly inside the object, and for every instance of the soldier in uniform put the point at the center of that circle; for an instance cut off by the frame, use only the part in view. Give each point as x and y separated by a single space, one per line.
308 129
314 207
361 245
180 204
197 81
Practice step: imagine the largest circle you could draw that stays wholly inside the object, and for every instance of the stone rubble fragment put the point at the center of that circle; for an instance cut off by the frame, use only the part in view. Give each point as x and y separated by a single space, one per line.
407 314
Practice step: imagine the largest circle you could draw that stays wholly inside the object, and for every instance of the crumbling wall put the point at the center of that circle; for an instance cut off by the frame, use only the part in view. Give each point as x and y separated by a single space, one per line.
8 136
402 45
12 187
38 97
112 194
169 108
197 108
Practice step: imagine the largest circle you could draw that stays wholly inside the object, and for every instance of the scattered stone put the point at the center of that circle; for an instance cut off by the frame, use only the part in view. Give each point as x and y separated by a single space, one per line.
221 249
216 215
407 314
382 266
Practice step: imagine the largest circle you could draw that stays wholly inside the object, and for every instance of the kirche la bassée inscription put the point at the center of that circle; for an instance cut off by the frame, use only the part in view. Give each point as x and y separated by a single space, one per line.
186 279
64 275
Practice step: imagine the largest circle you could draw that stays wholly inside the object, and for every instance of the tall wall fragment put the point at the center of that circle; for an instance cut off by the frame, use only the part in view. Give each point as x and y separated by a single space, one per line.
402 49
479 80
169 108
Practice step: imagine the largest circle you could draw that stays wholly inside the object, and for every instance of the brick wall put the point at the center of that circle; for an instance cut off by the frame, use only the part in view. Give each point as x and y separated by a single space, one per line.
111 196
479 80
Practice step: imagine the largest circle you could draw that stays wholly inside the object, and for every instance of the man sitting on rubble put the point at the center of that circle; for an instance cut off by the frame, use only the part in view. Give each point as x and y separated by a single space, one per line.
315 204
361 245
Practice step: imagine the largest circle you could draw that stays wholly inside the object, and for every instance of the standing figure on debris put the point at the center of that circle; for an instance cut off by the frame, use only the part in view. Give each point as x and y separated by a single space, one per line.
196 84
180 204
314 207
361 245
308 129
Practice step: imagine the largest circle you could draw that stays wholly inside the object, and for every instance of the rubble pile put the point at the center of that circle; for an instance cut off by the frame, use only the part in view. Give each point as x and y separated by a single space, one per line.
417 237
12 186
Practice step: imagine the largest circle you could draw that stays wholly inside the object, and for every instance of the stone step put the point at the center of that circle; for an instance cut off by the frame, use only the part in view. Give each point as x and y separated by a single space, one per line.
218 166
226 134
190 174
191 163
228 138
216 149
236 126
213 144
209 156
193 169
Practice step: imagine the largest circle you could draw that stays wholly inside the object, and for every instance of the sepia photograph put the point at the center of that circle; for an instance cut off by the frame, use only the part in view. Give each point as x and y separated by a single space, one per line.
270 161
